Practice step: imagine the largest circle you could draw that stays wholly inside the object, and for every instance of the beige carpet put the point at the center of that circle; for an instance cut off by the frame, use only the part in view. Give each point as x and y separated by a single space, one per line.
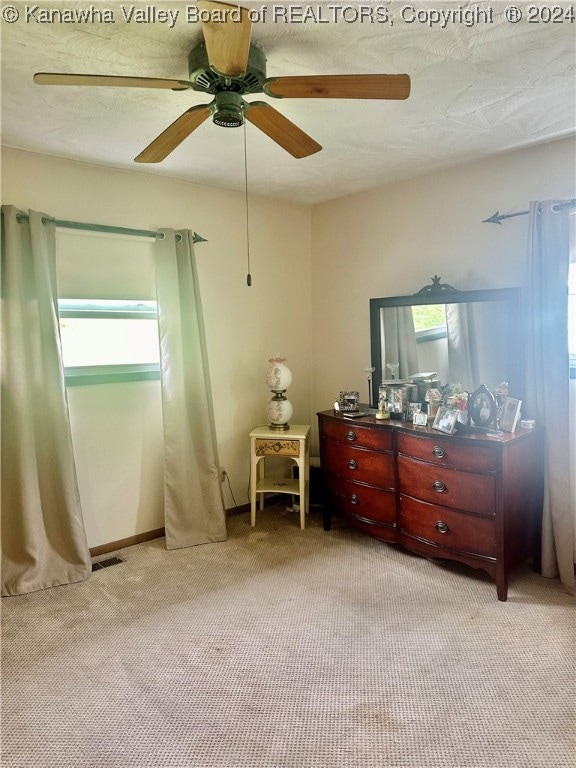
283 648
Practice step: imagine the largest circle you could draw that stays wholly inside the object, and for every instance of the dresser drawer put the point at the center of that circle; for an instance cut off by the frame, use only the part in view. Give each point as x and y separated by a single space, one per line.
277 447
382 531
447 453
359 465
362 501
448 528
377 438
449 487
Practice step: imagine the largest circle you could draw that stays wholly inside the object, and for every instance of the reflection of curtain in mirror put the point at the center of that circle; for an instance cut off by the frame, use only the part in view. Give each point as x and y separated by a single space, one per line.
462 351
399 341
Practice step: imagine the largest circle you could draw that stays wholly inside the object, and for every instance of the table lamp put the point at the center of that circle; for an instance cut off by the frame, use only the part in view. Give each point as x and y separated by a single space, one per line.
278 379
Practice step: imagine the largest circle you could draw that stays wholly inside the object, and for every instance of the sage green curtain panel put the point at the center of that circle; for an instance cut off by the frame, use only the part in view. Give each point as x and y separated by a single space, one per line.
43 539
547 377
193 505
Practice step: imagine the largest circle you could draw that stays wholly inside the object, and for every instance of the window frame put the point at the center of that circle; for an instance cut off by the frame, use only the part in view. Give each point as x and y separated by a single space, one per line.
431 334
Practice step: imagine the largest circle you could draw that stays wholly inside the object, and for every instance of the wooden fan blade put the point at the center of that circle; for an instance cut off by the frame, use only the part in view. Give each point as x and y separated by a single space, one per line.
61 78
227 35
174 135
281 130
339 87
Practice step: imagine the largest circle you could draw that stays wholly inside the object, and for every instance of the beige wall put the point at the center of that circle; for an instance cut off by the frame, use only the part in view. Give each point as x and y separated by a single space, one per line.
116 428
314 272
390 241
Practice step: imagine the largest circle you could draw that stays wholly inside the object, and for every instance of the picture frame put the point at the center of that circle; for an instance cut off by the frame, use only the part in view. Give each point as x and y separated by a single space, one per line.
420 419
349 401
482 410
510 414
445 420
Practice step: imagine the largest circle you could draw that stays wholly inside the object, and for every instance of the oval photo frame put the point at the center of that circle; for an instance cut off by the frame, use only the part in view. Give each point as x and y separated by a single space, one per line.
482 407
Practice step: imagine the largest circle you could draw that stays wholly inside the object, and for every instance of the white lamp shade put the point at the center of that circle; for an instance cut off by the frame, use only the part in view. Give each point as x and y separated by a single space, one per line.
278 375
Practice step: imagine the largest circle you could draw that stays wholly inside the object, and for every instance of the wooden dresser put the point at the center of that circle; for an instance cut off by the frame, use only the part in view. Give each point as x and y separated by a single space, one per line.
469 497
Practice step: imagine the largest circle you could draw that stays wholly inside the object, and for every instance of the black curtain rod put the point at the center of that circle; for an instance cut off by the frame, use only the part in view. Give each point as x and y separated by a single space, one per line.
62 224
498 218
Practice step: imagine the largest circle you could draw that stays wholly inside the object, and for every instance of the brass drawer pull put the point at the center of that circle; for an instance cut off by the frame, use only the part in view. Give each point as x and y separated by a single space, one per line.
441 527
352 464
439 486
354 499
351 436
439 452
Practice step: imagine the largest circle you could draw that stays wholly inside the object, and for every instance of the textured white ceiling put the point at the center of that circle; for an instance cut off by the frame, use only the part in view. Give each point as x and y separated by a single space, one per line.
477 90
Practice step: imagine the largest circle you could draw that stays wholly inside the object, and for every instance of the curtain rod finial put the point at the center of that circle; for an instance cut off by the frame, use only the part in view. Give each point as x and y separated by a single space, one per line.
494 219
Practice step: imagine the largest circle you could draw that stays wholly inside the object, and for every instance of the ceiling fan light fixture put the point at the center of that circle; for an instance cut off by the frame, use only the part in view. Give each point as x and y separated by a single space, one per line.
229 110
226 119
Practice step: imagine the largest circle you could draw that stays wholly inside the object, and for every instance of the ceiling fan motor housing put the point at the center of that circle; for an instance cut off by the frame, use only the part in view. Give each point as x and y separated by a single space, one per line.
204 78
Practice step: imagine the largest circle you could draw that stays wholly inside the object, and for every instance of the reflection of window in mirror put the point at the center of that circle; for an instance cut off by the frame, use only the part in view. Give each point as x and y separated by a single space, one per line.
429 322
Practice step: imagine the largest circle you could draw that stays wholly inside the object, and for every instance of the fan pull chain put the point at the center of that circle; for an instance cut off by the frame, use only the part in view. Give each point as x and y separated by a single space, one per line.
248 276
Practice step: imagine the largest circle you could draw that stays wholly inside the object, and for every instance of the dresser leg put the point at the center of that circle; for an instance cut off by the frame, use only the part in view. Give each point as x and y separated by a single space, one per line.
502 586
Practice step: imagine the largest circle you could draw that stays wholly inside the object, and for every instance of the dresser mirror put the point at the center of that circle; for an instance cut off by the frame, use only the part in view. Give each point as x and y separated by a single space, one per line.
467 338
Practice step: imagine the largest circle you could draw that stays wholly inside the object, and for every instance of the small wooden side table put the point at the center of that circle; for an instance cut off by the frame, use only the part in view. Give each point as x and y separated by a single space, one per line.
294 444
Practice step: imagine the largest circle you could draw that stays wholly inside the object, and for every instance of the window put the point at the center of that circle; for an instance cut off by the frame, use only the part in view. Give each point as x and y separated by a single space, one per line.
429 322
106 341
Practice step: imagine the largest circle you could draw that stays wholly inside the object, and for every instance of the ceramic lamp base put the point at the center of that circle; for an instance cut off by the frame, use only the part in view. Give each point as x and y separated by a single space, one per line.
280 411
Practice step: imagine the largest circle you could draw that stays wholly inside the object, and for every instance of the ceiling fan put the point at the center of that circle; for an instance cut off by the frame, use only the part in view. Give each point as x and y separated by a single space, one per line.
228 67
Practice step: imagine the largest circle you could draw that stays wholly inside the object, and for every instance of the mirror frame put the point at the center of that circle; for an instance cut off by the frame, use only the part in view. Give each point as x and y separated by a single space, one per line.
442 293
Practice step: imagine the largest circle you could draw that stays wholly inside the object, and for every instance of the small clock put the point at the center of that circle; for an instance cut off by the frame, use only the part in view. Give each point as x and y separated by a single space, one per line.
482 407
